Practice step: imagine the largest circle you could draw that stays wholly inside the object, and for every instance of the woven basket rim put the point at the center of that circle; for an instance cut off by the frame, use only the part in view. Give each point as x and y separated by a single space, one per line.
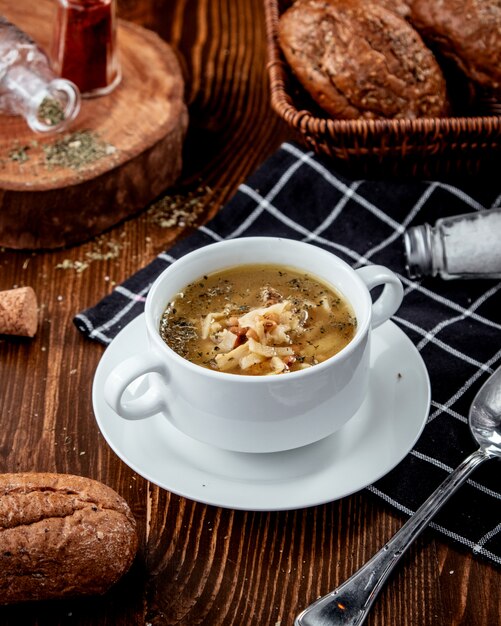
282 103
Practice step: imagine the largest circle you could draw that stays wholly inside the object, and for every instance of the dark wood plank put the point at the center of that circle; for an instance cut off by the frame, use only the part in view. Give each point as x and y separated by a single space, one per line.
143 124
200 564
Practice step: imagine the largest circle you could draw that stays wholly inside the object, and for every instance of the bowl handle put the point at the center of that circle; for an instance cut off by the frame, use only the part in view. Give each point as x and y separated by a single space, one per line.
390 298
124 374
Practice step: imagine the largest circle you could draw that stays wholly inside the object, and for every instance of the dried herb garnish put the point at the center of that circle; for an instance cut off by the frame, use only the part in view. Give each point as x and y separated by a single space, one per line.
112 251
19 153
177 332
51 112
76 150
102 250
180 210
68 264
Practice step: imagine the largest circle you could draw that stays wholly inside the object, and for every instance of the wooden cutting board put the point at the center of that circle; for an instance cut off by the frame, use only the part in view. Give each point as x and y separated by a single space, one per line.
144 120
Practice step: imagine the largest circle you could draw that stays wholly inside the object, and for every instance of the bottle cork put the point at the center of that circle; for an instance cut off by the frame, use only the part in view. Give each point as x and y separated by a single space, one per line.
18 312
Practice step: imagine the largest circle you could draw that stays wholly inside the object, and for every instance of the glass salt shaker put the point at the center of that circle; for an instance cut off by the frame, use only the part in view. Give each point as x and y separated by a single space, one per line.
29 87
84 48
463 246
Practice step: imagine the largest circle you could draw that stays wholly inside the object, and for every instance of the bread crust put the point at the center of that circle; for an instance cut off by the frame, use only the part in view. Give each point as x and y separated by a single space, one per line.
358 59
466 31
60 536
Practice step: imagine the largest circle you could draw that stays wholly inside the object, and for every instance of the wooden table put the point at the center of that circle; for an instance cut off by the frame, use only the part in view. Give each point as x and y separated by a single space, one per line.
200 564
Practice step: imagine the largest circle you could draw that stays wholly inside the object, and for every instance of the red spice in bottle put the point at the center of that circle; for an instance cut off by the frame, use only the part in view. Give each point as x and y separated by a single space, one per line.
84 49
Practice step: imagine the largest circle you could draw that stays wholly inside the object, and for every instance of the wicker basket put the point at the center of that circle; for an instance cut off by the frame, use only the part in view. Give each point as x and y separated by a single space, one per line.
425 147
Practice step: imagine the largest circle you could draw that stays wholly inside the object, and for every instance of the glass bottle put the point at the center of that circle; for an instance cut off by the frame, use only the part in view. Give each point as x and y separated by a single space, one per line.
84 46
29 87
462 246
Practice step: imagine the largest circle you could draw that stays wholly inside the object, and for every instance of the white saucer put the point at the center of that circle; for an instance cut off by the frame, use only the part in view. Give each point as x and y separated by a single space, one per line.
372 443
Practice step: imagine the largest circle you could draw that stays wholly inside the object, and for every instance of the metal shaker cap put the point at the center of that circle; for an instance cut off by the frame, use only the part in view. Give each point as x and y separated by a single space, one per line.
418 254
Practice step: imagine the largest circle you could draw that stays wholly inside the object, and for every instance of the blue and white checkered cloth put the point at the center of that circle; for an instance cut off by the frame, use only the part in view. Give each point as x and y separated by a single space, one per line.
456 325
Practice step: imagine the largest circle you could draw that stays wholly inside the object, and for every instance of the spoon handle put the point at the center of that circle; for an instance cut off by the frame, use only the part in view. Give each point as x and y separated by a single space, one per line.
349 604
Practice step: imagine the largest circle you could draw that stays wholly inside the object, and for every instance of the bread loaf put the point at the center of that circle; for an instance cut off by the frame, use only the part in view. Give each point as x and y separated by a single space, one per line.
400 7
466 31
61 536
359 59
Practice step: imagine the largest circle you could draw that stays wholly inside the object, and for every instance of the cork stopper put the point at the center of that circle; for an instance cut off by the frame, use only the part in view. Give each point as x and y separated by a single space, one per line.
18 312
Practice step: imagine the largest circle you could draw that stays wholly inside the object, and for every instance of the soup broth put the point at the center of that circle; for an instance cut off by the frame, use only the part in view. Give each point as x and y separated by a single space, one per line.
258 320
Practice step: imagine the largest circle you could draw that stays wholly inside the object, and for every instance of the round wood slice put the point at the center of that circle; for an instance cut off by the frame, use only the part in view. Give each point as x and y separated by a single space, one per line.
144 119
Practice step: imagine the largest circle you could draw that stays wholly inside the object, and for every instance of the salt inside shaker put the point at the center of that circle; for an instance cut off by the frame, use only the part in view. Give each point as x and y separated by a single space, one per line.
462 246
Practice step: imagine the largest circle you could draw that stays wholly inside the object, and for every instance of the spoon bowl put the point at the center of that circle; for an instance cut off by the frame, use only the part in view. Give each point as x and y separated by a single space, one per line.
485 415
349 604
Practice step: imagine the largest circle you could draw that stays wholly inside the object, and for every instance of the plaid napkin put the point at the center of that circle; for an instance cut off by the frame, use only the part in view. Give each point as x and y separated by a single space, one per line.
456 325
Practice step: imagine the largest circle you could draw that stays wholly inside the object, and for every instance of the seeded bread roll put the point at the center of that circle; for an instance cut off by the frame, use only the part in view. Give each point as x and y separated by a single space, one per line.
358 59
466 31
397 6
61 536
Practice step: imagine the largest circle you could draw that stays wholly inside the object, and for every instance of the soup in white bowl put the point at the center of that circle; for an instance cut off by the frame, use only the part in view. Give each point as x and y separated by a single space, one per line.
258 320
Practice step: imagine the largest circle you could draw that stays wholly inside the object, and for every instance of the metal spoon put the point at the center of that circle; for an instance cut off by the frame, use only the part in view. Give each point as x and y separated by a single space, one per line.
349 604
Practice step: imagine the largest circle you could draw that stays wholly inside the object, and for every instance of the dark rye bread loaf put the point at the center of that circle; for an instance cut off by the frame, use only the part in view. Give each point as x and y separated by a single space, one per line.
61 536
400 7
466 31
359 59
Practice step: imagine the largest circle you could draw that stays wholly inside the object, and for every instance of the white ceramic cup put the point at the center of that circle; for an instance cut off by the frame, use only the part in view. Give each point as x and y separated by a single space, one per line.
256 413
